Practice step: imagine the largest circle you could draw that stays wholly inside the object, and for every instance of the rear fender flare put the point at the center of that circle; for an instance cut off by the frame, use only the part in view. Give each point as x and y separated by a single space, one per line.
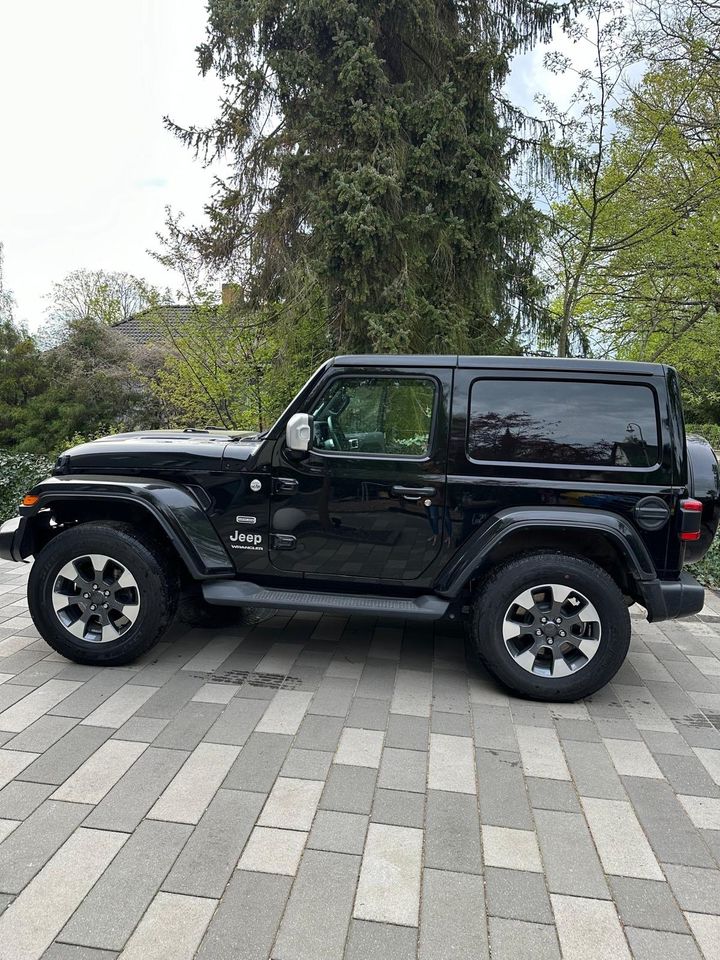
174 507
505 523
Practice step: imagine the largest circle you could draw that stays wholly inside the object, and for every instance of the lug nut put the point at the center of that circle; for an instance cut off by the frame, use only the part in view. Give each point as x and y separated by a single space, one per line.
86 596
106 593
562 633
558 619
95 586
105 606
543 619
550 641
93 606
538 633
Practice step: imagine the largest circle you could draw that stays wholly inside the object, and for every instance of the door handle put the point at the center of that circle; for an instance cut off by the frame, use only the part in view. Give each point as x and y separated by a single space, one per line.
413 493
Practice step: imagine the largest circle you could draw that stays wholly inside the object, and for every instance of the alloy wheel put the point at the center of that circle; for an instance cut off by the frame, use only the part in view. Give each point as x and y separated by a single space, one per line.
96 598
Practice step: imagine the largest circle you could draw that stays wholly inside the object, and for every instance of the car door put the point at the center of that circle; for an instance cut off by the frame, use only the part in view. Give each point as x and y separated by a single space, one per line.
367 501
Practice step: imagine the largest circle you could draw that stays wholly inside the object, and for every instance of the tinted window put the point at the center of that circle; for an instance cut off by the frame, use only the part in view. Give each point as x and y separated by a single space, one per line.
560 421
375 415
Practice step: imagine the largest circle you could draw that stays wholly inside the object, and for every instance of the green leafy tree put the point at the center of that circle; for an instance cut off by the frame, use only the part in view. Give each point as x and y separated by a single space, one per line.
370 147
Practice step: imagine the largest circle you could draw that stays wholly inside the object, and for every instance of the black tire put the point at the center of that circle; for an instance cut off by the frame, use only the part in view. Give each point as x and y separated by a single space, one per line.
152 567
507 582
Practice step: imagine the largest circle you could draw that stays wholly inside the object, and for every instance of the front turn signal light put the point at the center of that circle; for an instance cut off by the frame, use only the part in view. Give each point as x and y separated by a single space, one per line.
30 499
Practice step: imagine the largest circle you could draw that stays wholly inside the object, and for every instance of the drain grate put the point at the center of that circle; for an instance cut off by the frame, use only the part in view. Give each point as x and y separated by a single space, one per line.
273 681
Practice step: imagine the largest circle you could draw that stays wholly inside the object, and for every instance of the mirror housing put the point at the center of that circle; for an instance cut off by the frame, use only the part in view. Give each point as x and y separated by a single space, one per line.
298 432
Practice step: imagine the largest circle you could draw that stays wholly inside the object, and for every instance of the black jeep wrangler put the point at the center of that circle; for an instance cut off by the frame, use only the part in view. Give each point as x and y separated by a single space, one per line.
536 499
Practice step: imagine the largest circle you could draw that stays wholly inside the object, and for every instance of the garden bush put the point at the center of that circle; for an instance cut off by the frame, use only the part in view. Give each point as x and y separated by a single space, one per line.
708 569
711 432
19 472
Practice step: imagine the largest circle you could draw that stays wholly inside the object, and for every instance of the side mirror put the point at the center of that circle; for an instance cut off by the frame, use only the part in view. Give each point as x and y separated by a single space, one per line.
298 433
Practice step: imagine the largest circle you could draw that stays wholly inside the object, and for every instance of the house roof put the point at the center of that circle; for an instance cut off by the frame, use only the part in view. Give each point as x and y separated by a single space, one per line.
155 325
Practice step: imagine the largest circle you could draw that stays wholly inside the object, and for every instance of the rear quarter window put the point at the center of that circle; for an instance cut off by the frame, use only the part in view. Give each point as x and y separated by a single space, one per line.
578 423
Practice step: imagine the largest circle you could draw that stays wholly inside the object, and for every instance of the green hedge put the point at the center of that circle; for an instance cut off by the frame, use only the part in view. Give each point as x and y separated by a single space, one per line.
19 472
711 432
708 570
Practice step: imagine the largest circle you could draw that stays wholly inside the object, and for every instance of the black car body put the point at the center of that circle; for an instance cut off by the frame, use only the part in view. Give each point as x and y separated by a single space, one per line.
423 475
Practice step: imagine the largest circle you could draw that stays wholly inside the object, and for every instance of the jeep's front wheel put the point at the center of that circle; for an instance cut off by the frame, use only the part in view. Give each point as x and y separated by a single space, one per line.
551 626
101 594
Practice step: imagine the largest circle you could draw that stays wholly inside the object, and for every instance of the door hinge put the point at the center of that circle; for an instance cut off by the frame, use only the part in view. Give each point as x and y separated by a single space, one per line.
282 541
285 486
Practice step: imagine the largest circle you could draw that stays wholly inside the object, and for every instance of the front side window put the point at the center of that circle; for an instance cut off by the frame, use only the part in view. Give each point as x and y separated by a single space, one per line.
391 415
563 422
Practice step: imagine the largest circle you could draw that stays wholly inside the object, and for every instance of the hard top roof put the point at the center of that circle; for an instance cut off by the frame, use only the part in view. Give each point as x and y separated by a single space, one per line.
564 364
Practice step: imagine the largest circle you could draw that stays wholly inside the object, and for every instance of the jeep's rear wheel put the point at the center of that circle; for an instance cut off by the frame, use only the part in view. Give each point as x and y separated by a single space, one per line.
101 594
551 626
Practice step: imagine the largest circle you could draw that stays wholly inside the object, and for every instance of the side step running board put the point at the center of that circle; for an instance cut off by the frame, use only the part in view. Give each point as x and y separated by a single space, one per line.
241 593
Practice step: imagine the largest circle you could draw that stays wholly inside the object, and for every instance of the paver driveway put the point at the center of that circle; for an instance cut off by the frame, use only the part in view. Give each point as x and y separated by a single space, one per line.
316 788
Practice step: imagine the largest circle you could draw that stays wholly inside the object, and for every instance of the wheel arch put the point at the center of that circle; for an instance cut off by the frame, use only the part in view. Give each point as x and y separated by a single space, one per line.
169 510
607 540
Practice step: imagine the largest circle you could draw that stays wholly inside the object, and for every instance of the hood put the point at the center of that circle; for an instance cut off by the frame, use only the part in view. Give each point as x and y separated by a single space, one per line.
159 451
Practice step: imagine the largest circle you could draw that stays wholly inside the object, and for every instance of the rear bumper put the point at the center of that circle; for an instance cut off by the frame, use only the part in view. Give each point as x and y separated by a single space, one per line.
672 599
12 533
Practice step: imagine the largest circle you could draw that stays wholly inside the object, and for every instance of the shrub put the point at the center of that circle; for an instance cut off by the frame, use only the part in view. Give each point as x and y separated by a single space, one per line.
19 472
708 569
711 432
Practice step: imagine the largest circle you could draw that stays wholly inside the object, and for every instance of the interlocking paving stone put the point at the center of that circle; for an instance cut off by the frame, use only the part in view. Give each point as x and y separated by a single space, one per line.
647 904
349 789
389 885
100 772
670 831
452 832
451 764
400 807
190 791
33 843
270 850
510 939
707 933
659 945
259 762
212 852
65 756
517 894
246 920
171 929
26 711
119 707
237 722
291 804
571 863
33 920
407 732
112 909
452 920
588 929
695 888
552 795
359 747
375 718
125 804
338 832
382 940
18 799
42 734
12 763
501 790
619 839
309 931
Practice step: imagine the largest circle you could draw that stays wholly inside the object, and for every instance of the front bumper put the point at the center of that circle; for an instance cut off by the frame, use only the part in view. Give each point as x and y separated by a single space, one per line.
672 599
12 535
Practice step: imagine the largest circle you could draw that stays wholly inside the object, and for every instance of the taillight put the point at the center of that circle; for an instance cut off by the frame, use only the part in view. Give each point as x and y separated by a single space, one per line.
690 519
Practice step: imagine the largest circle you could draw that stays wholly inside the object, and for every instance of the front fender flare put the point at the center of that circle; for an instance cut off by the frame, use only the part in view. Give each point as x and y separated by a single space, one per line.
178 512
501 525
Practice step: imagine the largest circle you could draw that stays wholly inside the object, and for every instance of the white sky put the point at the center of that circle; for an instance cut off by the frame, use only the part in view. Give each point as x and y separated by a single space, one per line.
86 166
